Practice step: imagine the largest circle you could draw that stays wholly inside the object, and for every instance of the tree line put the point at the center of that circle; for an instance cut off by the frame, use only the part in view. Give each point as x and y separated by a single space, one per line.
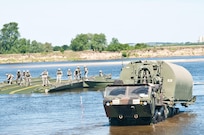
11 42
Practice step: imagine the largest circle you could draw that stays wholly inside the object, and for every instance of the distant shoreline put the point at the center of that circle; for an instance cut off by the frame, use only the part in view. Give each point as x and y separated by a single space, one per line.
150 52
124 62
100 63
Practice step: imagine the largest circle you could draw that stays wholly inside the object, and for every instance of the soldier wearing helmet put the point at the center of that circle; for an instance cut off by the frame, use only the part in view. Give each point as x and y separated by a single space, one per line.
69 74
28 78
100 73
86 72
44 76
18 77
59 75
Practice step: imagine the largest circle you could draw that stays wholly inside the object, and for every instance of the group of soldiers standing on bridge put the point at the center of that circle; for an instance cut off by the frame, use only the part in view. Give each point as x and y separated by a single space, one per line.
59 74
22 78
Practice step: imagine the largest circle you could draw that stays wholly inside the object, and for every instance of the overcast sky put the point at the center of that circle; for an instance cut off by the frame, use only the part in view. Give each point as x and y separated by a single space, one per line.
131 21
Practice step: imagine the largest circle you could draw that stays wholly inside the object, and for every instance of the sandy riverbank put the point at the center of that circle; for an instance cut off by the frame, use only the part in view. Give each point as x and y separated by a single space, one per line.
90 55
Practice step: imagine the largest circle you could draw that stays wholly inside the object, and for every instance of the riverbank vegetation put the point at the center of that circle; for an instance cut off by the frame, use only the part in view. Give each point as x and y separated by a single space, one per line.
12 43
88 46
70 55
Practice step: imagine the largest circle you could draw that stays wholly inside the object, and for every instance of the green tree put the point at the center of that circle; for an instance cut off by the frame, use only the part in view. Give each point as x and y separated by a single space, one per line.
114 45
56 48
9 34
125 47
36 47
98 42
80 43
48 47
141 45
21 46
65 47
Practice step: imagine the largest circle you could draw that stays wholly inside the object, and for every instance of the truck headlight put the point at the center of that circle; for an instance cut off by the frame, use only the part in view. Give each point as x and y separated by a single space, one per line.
107 103
144 103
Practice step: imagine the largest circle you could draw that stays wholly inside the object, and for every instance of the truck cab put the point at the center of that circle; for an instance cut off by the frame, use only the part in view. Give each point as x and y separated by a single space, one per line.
129 104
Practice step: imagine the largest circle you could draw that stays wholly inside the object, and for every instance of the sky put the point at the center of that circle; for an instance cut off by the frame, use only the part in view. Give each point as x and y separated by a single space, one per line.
130 21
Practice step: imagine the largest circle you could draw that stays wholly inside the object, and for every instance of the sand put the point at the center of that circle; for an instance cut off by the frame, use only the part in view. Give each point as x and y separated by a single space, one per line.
90 55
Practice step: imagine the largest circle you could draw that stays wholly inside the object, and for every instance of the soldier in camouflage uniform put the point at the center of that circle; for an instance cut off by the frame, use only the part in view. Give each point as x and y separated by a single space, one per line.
23 82
44 76
10 78
59 75
86 72
69 74
28 78
18 77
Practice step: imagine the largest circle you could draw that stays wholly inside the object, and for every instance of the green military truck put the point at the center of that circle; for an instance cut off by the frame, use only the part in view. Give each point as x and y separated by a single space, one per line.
147 92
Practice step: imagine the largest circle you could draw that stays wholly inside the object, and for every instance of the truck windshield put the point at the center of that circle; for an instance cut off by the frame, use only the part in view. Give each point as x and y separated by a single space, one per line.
140 90
130 91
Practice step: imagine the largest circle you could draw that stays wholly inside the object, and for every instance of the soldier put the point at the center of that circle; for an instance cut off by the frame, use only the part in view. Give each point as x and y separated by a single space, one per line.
79 72
157 79
18 77
10 78
100 73
85 72
28 78
59 75
44 76
69 74
76 74
23 78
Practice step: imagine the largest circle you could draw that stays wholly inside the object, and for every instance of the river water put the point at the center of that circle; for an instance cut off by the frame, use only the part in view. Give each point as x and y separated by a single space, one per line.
81 111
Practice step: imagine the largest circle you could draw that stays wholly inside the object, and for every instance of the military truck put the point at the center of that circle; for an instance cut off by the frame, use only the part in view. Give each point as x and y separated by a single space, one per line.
147 92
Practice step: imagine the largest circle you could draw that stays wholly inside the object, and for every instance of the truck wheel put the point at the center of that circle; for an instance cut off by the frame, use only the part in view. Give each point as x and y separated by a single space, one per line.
177 110
170 110
161 115
155 117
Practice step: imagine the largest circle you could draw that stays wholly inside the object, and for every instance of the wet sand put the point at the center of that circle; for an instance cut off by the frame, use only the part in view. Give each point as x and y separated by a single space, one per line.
176 125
